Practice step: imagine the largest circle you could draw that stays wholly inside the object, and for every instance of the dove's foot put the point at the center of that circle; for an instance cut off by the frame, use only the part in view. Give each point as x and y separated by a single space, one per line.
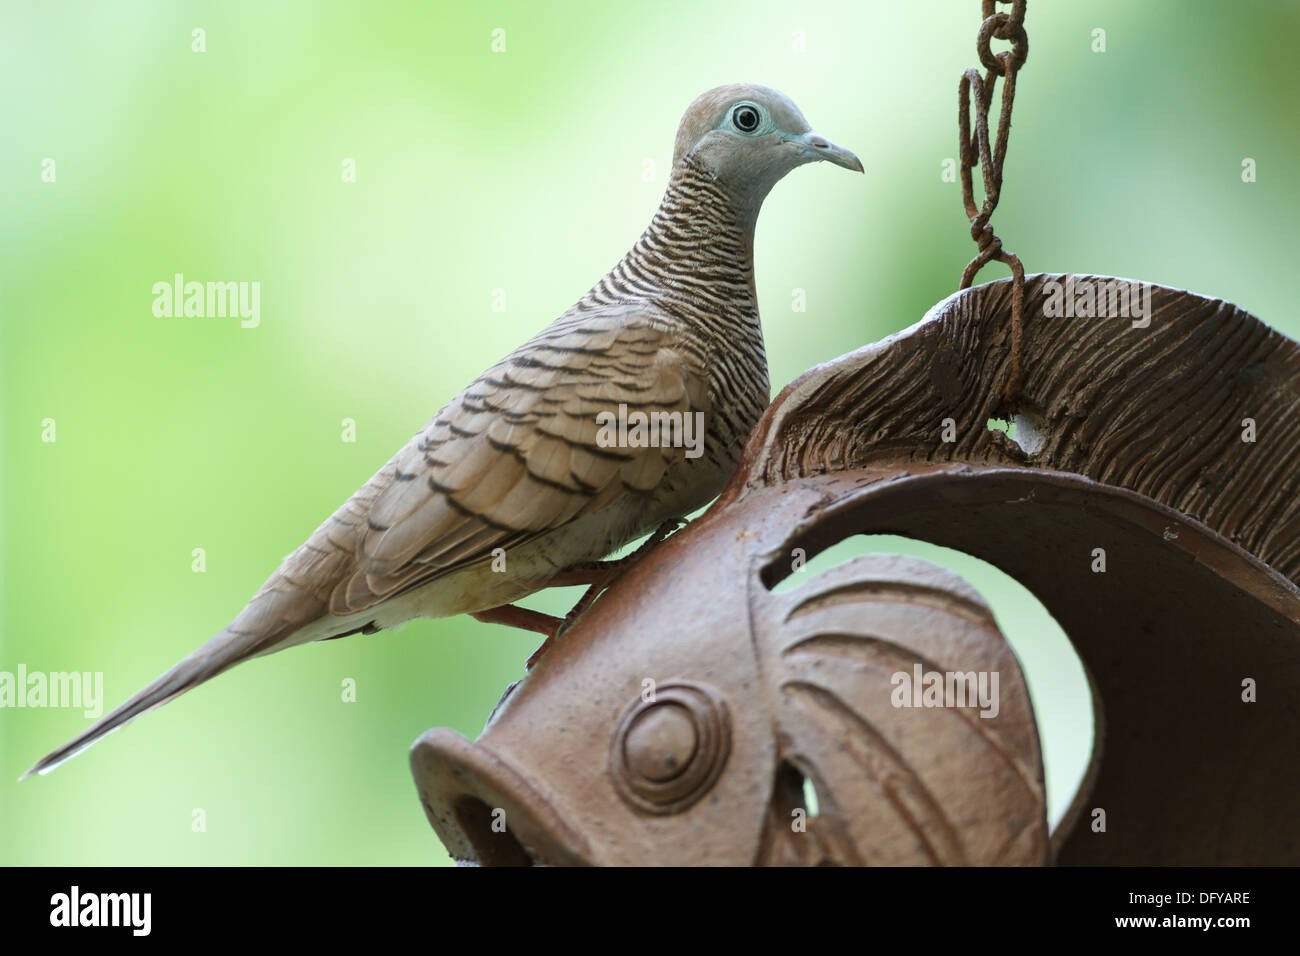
597 575
603 573
512 615
525 619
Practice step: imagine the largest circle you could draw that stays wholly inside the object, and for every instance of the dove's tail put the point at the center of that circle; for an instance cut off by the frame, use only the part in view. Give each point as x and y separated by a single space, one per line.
219 654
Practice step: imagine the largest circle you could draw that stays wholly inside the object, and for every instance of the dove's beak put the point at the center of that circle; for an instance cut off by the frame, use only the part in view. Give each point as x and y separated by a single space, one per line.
820 148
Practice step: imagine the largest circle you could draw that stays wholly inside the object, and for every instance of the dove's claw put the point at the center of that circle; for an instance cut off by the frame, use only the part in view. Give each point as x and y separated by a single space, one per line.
511 615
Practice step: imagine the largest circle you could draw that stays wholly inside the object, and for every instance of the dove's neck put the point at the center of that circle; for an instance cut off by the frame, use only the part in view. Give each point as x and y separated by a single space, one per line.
697 250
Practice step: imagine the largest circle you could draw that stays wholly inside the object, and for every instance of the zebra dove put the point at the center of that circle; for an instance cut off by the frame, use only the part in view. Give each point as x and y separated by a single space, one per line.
581 440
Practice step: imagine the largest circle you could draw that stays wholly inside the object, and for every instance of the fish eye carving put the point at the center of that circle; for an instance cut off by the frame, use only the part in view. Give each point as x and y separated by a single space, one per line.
668 752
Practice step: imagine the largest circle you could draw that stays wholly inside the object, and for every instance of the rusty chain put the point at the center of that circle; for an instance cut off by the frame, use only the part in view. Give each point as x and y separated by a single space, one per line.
975 148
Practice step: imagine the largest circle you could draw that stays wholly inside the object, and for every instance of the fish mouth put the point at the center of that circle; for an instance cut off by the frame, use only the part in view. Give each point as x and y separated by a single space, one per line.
487 813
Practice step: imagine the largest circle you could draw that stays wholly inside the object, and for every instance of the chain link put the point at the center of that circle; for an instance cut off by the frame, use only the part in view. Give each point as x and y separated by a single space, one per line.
976 148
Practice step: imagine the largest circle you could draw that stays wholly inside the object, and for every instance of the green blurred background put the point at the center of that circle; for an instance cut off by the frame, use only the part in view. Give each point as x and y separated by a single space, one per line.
529 171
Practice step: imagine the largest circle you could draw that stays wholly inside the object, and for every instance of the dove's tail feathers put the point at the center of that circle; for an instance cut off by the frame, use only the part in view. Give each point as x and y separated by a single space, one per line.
221 653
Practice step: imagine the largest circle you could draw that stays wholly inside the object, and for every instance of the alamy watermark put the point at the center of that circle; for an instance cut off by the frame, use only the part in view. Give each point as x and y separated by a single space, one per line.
82 690
209 300
131 911
1098 299
922 688
638 429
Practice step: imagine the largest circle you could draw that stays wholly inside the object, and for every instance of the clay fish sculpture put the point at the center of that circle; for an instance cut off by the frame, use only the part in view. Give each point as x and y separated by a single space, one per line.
695 726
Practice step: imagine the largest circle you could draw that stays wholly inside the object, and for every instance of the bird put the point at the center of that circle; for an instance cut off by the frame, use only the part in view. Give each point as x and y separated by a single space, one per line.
520 482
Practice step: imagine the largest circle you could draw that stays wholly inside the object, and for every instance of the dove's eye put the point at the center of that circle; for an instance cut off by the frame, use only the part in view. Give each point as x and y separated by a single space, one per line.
745 118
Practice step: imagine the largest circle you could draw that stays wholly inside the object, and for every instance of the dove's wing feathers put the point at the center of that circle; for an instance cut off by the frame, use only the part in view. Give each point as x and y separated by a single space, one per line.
512 457
518 453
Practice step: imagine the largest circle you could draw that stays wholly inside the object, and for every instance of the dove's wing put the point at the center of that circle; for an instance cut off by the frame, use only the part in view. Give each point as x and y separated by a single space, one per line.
517 453
513 456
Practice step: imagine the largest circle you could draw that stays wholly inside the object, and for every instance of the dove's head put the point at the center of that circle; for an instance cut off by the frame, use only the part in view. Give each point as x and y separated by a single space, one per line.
749 136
